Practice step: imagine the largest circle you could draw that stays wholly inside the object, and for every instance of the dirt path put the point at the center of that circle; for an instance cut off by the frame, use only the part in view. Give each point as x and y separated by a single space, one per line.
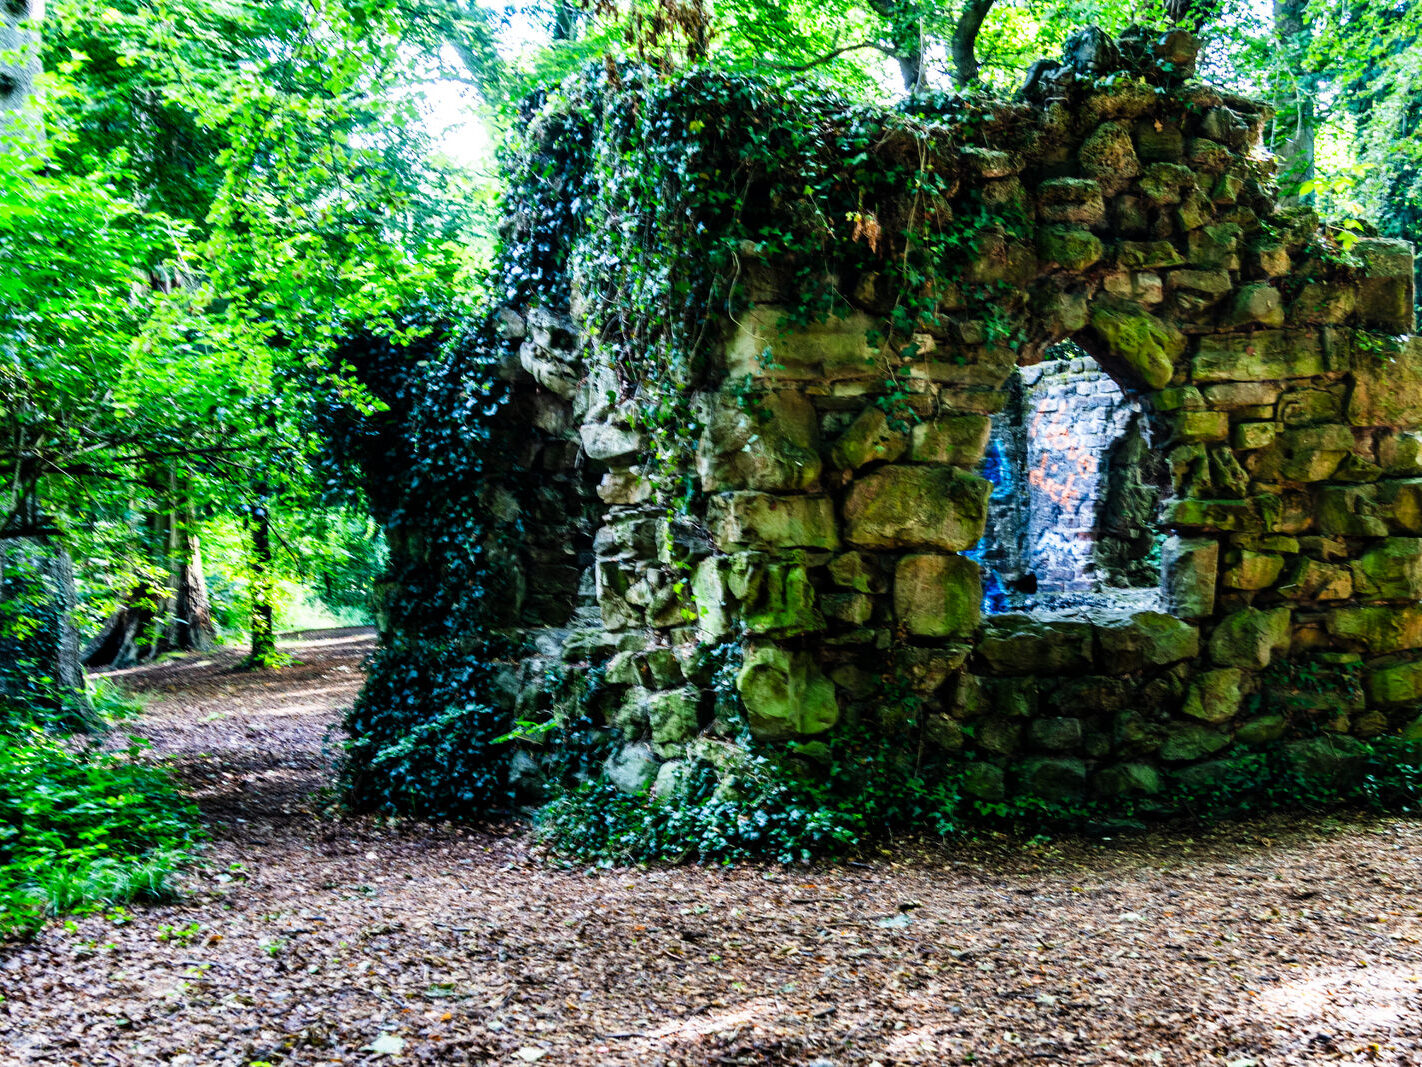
308 940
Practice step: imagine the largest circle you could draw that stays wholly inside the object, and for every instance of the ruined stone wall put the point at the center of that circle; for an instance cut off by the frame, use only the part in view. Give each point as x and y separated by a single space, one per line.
831 533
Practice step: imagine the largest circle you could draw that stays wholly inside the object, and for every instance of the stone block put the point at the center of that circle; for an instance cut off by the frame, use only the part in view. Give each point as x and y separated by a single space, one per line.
1387 387
1055 733
1260 356
1252 570
1377 628
1188 741
1190 573
1261 730
1231 395
1000 736
673 717
1068 247
778 599
1214 696
1385 293
1017 644
959 441
1249 436
1251 637
632 769
748 519
869 438
1164 182
835 348
1209 283
1147 638
854 570
937 595
785 694
1127 779
1144 343
610 443
1302 454
1331 761
1305 407
1257 304
1109 155
1075 200
917 507
1350 511
1147 255
1200 426
1311 579
1389 570
984 781
1052 778
768 442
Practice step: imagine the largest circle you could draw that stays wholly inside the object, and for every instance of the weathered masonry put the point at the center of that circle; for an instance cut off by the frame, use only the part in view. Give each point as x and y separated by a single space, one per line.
1085 524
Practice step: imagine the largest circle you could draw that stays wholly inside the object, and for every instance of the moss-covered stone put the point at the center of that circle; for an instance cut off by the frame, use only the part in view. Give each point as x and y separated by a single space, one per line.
1260 356
958 440
1109 155
747 519
1055 733
1261 730
855 570
1147 255
1377 629
917 507
1330 761
1394 684
1075 200
1304 454
785 453
1069 247
1214 696
1147 638
1250 638
937 595
1143 342
779 599
1387 386
1190 575
785 694
1053 778
1390 570
1311 579
673 717
869 438
1252 570
1257 304
1017 644
984 781
1188 741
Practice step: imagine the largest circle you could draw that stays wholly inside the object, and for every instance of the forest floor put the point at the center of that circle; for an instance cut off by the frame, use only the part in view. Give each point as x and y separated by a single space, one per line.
304 938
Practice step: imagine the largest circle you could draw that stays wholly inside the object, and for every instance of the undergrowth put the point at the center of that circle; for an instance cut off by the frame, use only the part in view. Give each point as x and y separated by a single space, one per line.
857 793
80 828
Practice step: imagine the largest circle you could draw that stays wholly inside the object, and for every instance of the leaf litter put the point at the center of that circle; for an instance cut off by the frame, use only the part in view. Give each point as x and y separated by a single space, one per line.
306 938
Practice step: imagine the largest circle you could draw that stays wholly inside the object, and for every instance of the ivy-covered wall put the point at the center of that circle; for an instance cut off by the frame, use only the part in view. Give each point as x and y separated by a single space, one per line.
751 350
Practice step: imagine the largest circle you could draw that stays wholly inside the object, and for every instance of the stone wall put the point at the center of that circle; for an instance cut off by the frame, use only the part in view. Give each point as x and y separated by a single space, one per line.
831 538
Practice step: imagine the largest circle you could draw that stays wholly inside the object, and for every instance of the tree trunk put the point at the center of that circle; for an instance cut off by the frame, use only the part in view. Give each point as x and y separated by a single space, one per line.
1296 151
965 39
905 41
191 627
263 589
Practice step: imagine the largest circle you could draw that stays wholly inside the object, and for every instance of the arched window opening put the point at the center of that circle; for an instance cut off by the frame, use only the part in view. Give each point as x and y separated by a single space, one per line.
1074 516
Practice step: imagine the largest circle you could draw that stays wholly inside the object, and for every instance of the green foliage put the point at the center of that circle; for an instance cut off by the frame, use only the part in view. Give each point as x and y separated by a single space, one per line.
82 828
423 741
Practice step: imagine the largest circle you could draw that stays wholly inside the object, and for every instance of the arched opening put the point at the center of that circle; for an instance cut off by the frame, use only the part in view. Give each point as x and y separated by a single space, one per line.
1078 481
